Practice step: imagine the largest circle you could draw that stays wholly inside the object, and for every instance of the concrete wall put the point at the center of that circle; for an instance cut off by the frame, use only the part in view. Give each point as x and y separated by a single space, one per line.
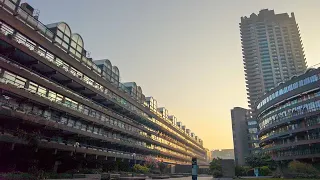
240 134
183 168
228 168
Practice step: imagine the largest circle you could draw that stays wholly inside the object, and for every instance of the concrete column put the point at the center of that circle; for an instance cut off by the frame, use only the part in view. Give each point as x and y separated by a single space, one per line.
55 167
173 169
1 73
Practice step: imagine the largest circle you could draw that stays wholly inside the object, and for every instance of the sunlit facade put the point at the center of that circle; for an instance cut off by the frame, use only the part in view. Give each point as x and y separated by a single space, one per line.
50 86
289 119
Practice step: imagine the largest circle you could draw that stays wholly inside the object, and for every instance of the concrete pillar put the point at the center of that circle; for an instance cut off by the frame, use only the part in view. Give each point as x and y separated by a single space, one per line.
55 167
173 169
12 146
1 73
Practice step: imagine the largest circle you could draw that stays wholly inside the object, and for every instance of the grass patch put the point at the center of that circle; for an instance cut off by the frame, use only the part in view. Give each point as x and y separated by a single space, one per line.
275 179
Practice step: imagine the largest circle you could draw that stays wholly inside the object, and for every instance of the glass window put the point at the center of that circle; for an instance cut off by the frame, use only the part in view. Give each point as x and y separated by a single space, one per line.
33 87
253 130
60 34
59 98
252 122
77 125
42 91
103 117
79 49
67 31
85 110
83 127
66 39
58 40
73 44
63 120
71 123
90 128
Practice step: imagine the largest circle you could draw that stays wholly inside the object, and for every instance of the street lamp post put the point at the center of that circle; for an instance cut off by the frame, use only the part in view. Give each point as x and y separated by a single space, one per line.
134 161
75 145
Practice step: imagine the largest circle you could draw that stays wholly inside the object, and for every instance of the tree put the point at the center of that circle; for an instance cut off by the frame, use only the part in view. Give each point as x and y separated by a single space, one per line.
260 160
162 166
300 167
216 168
264 171
151 162
242 170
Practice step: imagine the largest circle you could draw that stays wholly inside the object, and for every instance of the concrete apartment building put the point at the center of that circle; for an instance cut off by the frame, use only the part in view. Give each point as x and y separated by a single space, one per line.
223 153
75 109
272 51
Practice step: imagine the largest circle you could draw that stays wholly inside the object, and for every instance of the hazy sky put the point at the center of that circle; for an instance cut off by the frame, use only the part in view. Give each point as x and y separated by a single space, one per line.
185 53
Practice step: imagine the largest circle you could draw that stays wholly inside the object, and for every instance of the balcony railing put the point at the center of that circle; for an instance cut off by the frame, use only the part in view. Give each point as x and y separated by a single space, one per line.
10 103
21 84
57 140
297 154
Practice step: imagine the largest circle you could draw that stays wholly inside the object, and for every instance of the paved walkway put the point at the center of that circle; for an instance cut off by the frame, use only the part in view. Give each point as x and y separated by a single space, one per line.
189 178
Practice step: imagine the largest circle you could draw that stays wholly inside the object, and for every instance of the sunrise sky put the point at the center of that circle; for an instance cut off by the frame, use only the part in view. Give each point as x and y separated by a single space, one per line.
184 53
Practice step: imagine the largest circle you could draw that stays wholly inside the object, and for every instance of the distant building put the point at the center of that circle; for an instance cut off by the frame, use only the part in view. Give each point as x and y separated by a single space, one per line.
223 153
208 155
245 134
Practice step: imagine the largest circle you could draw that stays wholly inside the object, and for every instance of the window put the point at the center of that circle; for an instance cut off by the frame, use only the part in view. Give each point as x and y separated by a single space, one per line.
253 130
252 123
64 120
59 98
77 125
42 91
52 95
70 123
33 87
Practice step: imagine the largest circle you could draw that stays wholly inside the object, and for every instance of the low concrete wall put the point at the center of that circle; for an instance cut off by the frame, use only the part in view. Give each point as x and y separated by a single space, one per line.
72 179
183 169
228 168
83 177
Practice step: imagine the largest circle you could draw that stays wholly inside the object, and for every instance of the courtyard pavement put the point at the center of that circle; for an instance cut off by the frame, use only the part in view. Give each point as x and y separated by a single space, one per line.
199 178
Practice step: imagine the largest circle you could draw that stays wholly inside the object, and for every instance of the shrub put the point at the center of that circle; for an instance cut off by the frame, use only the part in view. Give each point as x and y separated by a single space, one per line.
299 167
53 175
151 162
216 168
162 166
17 176
264 171
140 169
242 170
89 171
217 174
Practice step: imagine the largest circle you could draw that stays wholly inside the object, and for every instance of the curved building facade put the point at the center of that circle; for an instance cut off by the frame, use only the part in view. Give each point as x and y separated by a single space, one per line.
289 118
74 105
